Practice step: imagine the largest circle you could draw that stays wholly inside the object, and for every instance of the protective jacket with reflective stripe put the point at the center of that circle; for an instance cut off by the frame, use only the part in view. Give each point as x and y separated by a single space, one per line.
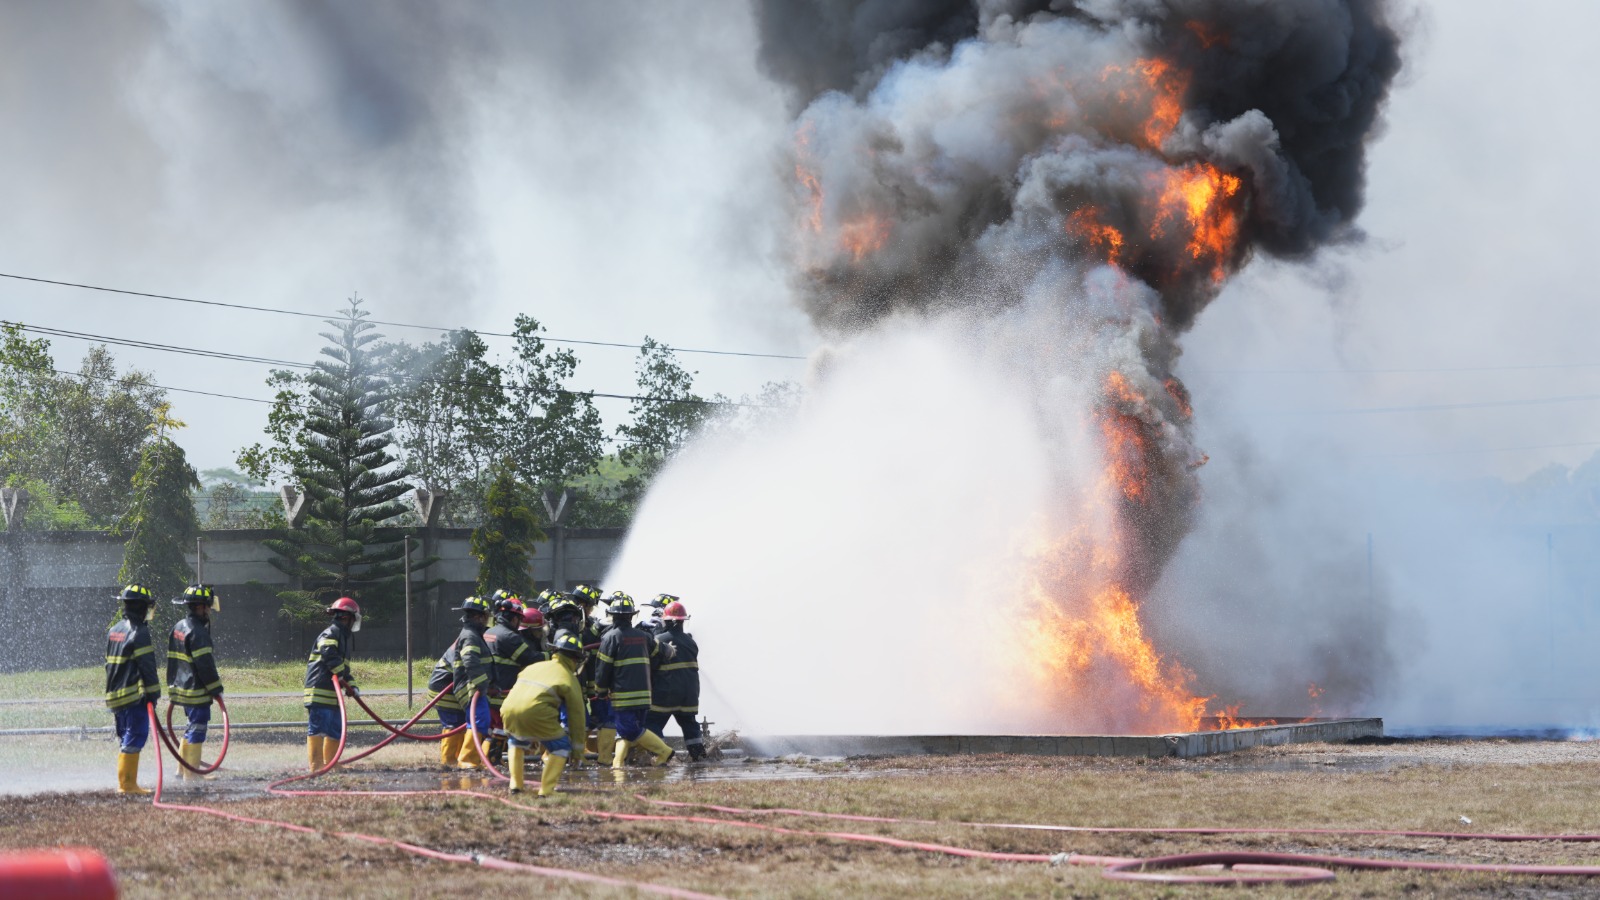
330 656
131 674
675 676
466 662
509 654
590 636
192 678
622 666
532 710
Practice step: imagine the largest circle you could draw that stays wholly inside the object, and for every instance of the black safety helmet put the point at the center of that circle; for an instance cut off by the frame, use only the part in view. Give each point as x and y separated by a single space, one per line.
586 595
197 594
565 642
135 595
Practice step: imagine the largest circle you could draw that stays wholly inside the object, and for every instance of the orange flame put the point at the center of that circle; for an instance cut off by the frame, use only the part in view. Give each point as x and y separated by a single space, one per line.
809 182
1196 196
1156 85
1208 35
864 236
1104 241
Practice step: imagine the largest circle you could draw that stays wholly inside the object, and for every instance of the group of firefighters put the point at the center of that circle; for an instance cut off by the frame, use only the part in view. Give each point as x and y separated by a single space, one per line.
547 674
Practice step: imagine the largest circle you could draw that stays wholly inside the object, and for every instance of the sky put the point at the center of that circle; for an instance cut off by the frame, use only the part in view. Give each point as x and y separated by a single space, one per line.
613 170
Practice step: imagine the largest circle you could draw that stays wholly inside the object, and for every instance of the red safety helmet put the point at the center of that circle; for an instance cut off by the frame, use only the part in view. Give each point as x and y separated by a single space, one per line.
675 612
348 607
531 617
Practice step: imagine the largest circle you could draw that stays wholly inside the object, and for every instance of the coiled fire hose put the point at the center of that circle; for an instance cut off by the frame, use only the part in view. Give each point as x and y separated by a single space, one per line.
170 738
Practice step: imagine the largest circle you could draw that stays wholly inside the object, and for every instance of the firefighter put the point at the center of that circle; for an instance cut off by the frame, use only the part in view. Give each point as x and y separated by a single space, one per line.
192 679
545 598
602 744
132 683
464 668
652 612
545 693
622 670
675 681
508 654
330 656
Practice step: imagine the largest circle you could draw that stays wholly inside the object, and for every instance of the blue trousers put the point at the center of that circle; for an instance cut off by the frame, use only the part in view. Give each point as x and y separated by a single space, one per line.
199 719
450 718
324 720
630 722
657 722
600 714
133 726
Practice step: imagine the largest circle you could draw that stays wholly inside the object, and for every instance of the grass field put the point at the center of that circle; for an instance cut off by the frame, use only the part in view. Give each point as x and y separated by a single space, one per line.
1427 786
88 683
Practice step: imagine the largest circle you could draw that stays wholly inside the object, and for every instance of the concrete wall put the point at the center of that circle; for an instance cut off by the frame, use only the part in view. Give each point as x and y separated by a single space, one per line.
55 590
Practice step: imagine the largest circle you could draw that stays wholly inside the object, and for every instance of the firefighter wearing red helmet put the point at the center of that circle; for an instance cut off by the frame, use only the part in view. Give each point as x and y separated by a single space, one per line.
622 670
192 678
330 656
675 681
509 654
132 683
464 670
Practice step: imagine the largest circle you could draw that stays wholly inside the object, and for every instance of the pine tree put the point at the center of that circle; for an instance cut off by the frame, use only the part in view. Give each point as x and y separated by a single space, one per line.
351 481
504 543
161 523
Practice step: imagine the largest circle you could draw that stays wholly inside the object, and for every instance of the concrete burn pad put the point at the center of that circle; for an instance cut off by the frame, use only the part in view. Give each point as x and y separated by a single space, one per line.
1190 744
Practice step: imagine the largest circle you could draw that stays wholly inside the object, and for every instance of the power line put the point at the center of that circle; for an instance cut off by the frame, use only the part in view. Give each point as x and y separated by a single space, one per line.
326 316
1432 407
238 357
1480 450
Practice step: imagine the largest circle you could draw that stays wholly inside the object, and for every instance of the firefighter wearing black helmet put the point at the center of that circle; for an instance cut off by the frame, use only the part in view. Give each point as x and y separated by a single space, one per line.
330 656
623 671
192 678
132 682
464 669
602 744
509 654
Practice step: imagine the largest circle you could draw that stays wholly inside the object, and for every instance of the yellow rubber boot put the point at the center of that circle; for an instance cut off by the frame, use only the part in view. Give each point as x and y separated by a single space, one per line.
619 758
605 744
330 750
128 774
183 754
516 757
469 757
551 774
449 749
314 752
657 747
591 746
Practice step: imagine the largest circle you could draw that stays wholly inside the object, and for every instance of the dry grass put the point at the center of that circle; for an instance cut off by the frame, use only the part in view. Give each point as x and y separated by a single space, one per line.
163 853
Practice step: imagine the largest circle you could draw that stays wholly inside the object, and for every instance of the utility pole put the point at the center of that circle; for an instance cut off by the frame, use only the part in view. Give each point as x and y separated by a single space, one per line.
410 700
199 560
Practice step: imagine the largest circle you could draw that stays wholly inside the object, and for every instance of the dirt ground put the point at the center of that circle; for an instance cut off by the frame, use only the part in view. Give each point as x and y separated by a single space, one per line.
1424 785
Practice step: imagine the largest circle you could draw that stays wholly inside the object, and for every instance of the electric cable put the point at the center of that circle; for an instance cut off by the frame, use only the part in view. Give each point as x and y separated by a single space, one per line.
327 317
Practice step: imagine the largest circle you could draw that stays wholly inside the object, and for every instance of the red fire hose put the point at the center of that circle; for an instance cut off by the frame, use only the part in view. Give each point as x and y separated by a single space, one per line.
169 738
72 873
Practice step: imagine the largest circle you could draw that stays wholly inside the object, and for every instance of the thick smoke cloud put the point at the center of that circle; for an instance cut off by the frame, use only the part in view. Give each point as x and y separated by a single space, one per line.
1075 183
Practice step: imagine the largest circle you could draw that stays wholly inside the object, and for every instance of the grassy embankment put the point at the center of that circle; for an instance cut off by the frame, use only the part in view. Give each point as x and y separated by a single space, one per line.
81 689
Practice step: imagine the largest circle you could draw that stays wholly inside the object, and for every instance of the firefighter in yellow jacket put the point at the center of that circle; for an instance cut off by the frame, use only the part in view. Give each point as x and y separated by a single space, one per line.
132 683
192 679
532 712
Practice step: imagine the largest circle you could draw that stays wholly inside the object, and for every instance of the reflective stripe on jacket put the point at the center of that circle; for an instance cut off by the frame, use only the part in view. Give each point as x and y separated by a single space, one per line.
330 656
509 654
465 662
675 681
131 674
192 678
622 666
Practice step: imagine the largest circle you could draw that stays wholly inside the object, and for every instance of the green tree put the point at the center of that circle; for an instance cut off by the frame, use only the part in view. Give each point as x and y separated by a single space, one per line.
504 544
284 453
552 433
81 433
449 404
351 479
160 524
668 414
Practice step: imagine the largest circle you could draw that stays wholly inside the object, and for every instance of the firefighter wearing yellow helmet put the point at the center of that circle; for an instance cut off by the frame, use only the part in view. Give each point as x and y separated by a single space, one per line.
192 678
132 683
464 669
532 712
